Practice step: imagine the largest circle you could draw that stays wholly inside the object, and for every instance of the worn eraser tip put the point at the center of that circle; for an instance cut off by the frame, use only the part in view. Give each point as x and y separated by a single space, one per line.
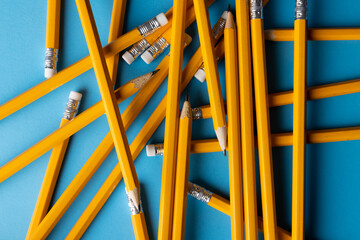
224 15
49 72
128 58
162 19
150 150
146 56
75 95
200 75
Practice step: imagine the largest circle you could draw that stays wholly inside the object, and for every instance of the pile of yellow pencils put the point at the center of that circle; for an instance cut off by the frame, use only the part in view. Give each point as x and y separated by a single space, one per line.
240 41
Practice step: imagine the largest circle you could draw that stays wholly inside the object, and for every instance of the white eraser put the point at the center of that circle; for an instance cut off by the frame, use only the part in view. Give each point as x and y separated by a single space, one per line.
162 19
224 15
146 56
200 75
49 72
75 95
150 150
128 57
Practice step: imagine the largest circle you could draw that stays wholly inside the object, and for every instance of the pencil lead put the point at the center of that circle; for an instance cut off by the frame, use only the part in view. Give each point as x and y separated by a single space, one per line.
154 72
187 98
224 152
229 8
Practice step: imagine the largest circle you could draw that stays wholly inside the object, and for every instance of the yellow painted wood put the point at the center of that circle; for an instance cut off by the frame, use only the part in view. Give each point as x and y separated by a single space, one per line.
247 121
299 129
112 111
136 146
172 121
116 29
234 144
182 173
263 129
49 183
53 23
211 68
315 34
64 132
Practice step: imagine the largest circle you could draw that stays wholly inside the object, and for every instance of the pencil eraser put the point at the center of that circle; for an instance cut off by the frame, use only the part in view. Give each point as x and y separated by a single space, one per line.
49 72
224 15
162 19
128 57
150 150
75 95
146 56
200 75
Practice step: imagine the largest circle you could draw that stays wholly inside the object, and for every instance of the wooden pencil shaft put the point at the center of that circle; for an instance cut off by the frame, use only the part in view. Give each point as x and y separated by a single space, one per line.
171 123
315 34
233 112
53 23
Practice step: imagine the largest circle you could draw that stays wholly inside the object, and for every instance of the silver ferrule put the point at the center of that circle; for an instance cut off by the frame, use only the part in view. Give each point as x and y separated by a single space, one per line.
196 113
138 48
159 149
51 58
158 47
300 9
256 9
133 208
218 28
148 27
199 193
71 109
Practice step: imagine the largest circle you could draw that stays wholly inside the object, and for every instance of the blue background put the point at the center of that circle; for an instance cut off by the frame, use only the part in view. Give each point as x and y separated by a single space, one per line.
332 187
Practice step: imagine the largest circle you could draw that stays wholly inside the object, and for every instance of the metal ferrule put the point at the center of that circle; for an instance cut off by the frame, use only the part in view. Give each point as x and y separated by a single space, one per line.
256 9
218 28
51 58
71 109
196 113
138 48
158 47
199 193
159 149
300 9
134 209
148 27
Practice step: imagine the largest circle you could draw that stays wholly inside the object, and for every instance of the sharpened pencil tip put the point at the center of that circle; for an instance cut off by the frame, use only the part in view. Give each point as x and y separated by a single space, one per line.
224 152
229 21
155 71
229 8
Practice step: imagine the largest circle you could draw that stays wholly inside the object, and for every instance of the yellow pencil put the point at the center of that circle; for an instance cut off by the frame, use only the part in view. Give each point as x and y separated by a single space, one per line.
211 71
246 120
78 68
53 168
223 205
315 34
263 121
299 120
52 37
284 139
182 172
233 111
116 29
70 128
99 155
137 145
172 121
113 115
286 97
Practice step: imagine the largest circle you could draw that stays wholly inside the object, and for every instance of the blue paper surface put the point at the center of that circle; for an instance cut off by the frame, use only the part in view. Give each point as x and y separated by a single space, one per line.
332 170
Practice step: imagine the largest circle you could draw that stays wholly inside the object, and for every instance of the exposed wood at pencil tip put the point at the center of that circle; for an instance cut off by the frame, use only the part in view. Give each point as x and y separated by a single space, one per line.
140 81
186 110
229 21
134 196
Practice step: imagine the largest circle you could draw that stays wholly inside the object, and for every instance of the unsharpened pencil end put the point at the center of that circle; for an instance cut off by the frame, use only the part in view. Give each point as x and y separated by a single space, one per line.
229 21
